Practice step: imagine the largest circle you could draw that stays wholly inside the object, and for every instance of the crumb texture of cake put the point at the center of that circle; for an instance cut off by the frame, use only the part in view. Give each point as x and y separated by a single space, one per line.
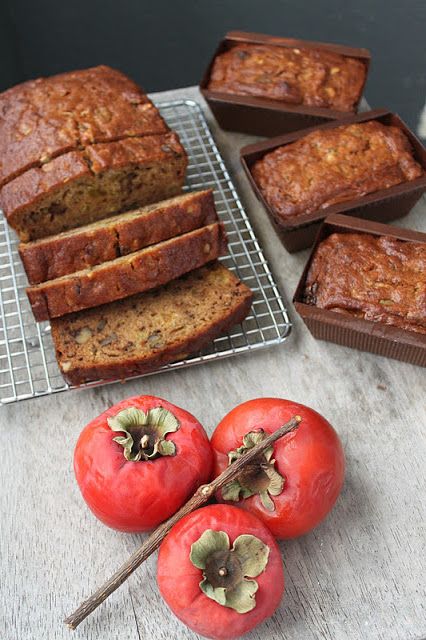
136 272
331 166
377 278
312 77
44 118
83 186
90 245
144 332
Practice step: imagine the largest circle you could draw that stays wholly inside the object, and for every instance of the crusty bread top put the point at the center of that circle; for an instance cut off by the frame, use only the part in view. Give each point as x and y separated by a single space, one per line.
41 119
376 278
313 77
329 166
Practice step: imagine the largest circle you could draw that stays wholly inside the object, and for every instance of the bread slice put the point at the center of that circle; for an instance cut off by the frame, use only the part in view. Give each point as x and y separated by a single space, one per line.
144 332
84 247
93 183
134 273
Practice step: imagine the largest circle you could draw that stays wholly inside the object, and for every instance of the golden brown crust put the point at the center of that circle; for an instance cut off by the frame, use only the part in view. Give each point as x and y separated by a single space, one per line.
87 246
139 271
294 75
376 278
330 166
83 186
132 151
146 331
44 118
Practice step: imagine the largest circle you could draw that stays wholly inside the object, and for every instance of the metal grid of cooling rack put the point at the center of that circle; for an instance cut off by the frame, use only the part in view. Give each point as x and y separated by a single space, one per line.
27 359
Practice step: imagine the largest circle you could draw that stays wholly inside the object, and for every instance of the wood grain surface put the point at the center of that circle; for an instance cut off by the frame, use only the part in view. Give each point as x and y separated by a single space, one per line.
361 575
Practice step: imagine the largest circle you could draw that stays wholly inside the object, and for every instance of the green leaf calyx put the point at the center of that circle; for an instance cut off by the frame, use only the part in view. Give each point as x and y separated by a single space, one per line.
144 433
258 477
228 572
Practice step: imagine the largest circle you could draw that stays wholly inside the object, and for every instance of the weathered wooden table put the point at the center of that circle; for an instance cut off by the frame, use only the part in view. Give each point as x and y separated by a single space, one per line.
361 575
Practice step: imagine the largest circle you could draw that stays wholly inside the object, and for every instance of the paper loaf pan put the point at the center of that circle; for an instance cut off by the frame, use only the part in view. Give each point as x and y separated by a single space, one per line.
357 333
298 232
263 116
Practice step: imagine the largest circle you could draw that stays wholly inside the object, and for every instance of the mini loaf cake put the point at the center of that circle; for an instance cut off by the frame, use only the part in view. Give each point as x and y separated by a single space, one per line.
129 274
381 279
143 332
44 118
93 244
312 77
80 187
334 165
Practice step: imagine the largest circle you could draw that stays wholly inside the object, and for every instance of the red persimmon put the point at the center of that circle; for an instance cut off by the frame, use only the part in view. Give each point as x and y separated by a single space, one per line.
294 485
220 571
139 461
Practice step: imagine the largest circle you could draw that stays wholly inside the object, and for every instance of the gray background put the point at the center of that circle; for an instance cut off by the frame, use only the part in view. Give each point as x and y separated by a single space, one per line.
166 43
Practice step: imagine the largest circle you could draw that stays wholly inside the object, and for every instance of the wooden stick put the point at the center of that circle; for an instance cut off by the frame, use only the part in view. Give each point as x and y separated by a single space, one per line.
152 543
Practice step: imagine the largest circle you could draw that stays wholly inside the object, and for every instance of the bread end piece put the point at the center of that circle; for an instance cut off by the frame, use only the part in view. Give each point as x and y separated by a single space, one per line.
142 333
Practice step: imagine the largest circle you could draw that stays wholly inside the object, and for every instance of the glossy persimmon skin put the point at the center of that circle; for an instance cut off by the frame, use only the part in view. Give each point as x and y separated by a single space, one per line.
178 579
138 496
311 459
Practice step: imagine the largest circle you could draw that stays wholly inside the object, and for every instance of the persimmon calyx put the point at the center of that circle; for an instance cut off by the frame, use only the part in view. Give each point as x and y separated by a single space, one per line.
228 572
145 433
259 477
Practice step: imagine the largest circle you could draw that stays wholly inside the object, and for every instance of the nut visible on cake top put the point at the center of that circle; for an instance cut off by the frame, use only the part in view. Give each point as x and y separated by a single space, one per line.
381 279
313 77
330 166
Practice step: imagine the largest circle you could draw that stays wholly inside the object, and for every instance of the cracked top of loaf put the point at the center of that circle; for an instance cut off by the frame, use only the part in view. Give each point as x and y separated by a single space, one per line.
377 278
311 77
335 165
44 118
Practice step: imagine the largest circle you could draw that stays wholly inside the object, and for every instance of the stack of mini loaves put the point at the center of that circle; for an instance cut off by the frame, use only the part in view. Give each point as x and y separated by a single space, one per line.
128 285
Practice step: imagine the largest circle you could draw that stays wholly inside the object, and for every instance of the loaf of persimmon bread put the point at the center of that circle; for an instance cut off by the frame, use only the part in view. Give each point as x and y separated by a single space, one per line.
79 147
294 75
329 166
378 278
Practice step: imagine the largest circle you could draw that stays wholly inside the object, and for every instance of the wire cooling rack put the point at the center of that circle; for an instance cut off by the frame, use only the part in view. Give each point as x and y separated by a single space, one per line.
28 366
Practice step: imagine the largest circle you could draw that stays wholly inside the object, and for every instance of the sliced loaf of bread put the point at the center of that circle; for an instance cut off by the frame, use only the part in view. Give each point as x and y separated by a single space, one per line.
84 247
139 271
144 332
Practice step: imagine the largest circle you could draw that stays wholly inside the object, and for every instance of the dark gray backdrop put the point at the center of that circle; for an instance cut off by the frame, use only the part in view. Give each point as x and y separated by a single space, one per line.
166 43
